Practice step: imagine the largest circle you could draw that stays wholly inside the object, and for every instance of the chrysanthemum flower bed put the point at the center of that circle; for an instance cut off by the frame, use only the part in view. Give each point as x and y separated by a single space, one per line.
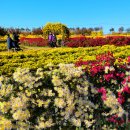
98 41
93 95
81 41
40 57
34 41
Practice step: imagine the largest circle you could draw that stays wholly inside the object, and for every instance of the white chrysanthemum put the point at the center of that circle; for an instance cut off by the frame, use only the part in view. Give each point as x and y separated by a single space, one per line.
1 78
113 103
76 122
59 102
106 69
114 81
127 73
5 123
50 93
70 99
6 89
70 70
111 68
19 102
39 72
24 76
78 113
129 85
45 124
5 106
56 80
88 123
21 115
60 92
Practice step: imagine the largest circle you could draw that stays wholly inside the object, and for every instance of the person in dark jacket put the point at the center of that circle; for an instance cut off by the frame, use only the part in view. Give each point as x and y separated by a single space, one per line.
16 42
54 40
9 42
50 39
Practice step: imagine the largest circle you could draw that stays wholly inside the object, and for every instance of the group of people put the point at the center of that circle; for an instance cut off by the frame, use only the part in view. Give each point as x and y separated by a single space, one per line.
13 43
52 39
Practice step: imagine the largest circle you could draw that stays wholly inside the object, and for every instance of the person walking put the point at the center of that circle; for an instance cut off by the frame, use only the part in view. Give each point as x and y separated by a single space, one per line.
50 39
9 42
15 41
54 40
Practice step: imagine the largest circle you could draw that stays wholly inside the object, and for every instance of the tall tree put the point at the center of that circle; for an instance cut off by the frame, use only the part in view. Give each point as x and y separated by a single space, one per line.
128 30
97 28
112 30
121 29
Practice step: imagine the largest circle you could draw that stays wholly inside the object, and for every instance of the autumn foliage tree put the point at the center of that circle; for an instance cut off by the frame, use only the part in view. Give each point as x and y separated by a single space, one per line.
57 28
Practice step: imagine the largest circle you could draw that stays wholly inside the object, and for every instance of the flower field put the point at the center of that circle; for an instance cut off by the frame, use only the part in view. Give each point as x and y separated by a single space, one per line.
34 41
80 41
40 57
98 41
65 88
75 41
64 65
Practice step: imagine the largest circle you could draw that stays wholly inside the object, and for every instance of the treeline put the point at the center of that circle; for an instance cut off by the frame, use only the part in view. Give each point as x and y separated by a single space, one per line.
38 31
89 31
26 31
83 31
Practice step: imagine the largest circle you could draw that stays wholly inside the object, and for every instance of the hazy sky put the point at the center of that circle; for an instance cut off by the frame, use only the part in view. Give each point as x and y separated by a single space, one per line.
73 13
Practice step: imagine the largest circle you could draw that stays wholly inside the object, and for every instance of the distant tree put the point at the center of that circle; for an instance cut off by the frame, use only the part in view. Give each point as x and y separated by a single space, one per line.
3 31
89 31
17 30
97 28
77 30
112 30
28 30
72 31
22 29
128 30
37 31
83 30
121 29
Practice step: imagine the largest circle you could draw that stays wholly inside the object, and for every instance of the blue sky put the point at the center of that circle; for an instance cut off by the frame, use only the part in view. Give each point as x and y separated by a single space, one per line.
73 13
